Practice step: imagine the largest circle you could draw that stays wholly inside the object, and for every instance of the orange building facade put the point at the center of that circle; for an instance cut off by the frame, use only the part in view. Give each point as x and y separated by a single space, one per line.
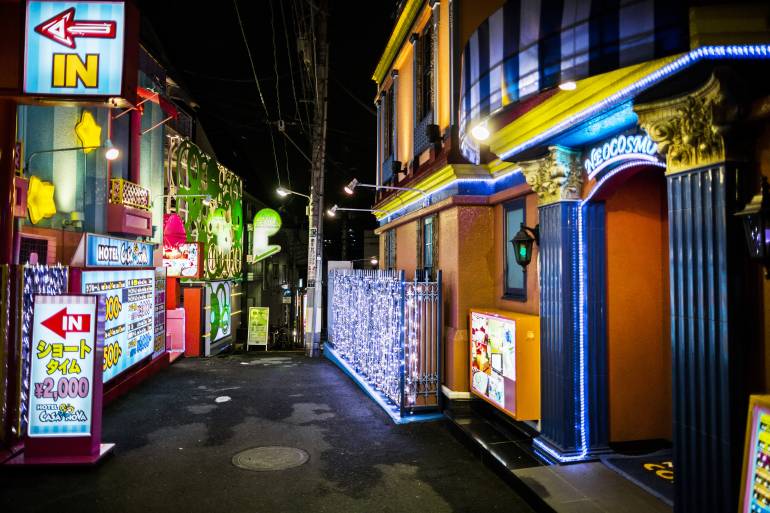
628 137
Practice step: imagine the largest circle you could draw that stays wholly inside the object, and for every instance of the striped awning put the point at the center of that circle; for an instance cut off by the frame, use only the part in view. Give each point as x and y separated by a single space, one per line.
529 46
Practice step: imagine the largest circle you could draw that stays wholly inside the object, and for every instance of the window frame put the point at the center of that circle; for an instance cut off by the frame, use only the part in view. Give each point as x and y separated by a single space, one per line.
424 75
422 244
387 132
510 293
390 249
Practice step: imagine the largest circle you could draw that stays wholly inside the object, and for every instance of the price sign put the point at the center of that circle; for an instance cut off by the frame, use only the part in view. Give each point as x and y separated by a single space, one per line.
130 315
62 366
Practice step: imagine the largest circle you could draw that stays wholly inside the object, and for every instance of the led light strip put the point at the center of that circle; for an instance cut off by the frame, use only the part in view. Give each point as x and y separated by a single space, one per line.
693 56
582 314
388 217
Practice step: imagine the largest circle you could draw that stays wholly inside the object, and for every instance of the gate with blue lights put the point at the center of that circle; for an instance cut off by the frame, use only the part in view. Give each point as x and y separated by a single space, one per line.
385 332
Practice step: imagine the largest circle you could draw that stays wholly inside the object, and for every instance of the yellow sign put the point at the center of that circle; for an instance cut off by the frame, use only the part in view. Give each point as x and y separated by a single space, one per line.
40 201
88 132
68 69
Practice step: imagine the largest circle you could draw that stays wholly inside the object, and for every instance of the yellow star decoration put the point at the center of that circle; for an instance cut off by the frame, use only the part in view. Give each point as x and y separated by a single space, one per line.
40 199
88 132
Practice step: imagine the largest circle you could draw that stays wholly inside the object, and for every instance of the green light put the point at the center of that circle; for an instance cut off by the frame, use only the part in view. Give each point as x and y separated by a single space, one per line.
523 251
267 220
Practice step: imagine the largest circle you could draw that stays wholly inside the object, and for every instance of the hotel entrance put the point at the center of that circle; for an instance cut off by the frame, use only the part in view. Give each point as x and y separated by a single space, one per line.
630 206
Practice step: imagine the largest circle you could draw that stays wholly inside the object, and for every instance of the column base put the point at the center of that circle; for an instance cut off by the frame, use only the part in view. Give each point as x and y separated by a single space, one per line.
554 454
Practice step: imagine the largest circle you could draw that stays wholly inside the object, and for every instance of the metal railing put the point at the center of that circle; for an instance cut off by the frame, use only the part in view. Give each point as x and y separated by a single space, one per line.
389 331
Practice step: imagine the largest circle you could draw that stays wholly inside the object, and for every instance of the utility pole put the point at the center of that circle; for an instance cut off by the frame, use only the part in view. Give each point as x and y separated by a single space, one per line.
318 141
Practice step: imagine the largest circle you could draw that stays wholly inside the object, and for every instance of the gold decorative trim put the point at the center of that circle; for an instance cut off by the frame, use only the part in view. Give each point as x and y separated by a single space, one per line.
557 176
400 32
688 129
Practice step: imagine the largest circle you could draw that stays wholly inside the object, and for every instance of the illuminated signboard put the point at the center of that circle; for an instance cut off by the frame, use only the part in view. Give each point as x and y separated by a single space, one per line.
159 346
620 149
493 360
183 261
74 48
755 485
112 252
130 313
62 366
266 222
259 320
218 302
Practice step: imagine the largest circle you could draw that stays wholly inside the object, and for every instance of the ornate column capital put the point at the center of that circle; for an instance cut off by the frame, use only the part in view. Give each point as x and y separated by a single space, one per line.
557 176
689 130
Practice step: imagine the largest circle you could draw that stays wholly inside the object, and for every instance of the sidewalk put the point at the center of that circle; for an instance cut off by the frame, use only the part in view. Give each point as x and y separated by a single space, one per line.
577 488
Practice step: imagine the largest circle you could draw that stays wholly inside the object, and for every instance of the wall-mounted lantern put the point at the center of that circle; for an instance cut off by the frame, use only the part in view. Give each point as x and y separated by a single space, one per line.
756 223
522 244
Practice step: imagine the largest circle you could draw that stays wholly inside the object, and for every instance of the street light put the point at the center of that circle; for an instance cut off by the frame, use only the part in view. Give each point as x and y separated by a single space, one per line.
372 260
351 186
283 192
111 152
332 212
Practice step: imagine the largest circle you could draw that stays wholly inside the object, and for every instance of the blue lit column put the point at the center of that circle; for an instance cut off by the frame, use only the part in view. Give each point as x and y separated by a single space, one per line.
570 378
711 321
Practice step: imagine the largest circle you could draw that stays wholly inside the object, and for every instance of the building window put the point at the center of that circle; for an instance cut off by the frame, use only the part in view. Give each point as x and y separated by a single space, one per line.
428 256
515 284
390 249
387 133
425 73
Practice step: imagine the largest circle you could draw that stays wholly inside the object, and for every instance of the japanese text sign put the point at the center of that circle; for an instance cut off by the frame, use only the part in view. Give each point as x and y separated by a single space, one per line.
259 319
74 48
62 366
130 315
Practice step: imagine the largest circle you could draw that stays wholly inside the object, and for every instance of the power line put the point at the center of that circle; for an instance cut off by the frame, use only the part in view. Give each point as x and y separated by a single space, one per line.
352 95
291 67
249 80
259 88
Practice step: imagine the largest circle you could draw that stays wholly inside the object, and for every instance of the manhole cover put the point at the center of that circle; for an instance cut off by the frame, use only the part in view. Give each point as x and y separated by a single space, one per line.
273 457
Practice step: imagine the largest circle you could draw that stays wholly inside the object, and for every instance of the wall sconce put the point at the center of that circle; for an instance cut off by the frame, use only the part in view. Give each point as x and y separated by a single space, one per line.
522 244
756 223
74 221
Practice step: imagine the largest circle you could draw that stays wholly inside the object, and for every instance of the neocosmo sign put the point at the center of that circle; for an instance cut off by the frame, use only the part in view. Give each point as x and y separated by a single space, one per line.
621 148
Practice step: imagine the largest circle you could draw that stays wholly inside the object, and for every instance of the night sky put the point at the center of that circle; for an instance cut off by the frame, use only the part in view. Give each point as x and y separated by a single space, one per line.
202 48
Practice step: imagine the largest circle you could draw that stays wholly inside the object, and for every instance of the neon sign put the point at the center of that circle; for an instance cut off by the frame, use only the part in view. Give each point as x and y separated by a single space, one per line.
74 48
62 366
267 222
111 252
619 149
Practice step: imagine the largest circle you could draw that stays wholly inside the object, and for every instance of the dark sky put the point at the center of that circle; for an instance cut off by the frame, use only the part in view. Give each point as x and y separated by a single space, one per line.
202 46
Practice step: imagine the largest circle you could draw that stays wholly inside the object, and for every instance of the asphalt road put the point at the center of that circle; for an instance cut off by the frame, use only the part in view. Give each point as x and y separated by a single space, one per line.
175 443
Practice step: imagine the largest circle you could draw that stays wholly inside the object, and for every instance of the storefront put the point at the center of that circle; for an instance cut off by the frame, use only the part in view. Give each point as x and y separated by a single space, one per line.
619 142
87 125
203 245
650 312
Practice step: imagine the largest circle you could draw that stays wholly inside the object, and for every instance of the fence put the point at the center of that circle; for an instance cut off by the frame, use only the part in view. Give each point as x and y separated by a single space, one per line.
389 331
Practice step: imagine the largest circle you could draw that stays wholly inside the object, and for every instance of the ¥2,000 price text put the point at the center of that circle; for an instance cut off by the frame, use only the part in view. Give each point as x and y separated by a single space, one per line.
67 387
